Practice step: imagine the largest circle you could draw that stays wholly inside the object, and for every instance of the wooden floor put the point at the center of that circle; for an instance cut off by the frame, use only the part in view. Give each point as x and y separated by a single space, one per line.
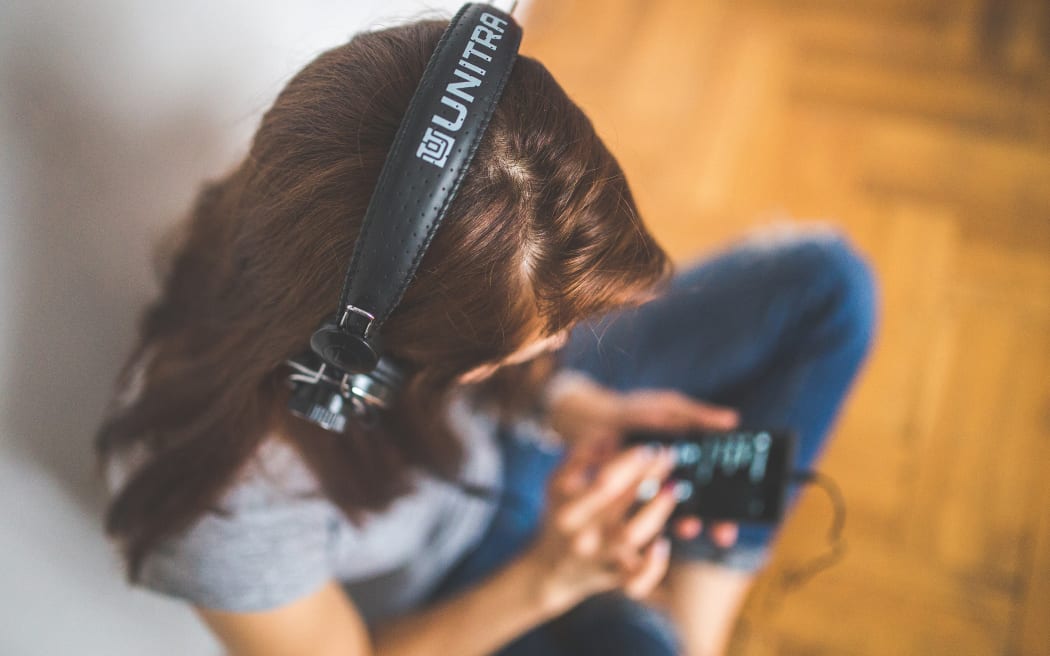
922 129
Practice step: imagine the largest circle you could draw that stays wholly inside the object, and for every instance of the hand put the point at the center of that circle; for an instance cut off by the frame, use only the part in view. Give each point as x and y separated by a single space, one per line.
584 412
589 542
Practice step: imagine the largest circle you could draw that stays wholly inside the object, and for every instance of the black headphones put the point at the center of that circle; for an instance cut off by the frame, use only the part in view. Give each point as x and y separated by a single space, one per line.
346 374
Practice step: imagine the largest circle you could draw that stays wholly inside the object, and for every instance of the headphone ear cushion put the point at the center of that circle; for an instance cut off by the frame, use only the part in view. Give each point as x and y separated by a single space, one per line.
345 351
389 373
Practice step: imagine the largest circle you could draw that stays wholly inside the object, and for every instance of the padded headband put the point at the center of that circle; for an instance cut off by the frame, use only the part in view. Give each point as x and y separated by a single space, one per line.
434 145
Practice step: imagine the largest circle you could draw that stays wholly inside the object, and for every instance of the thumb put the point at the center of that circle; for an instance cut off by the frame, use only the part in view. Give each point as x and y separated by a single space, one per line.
673 410
573 474
709 415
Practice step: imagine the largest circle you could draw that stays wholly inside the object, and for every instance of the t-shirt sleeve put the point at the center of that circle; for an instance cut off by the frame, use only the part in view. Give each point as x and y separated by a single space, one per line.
273 546
255 559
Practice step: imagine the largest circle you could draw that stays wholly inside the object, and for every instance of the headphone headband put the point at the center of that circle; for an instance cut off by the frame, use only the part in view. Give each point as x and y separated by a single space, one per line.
431 152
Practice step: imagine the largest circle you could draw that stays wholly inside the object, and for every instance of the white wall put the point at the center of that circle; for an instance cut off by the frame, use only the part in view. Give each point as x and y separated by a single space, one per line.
111 114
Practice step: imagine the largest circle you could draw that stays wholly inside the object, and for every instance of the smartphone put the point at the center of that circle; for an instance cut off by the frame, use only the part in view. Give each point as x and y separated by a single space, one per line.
739 476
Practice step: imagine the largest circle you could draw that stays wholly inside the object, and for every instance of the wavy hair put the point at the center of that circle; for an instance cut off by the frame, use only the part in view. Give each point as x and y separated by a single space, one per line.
543 233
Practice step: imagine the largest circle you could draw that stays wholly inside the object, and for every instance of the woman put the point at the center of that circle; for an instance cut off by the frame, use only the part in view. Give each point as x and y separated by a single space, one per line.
429 533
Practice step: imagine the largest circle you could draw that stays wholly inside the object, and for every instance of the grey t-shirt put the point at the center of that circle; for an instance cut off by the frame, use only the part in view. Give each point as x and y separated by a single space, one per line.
276 546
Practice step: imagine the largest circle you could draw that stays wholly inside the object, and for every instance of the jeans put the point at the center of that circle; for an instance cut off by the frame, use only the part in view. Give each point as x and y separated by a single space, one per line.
776 326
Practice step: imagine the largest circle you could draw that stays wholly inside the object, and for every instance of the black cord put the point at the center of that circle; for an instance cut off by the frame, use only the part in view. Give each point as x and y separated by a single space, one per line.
796 577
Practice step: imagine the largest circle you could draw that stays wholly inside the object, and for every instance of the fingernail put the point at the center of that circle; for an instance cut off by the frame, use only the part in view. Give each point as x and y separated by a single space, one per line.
648 489
671 456
663 547
649 451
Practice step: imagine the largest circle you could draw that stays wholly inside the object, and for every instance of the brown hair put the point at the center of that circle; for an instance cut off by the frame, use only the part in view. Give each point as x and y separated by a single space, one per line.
542 234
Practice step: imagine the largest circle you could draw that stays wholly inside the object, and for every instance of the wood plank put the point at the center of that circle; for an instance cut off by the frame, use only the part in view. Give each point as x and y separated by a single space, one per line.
1030 634
922 129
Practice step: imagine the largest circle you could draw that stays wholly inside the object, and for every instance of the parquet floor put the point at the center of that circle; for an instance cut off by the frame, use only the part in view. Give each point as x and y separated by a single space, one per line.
922 128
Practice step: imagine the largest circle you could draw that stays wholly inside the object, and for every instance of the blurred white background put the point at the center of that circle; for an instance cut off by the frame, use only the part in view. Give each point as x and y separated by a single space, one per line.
111 115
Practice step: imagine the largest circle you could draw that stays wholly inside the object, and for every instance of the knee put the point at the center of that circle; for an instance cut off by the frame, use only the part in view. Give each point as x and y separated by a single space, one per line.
851 294
612 623
839 282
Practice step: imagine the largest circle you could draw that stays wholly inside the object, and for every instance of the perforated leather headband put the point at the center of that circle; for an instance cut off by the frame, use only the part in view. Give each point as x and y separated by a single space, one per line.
434 145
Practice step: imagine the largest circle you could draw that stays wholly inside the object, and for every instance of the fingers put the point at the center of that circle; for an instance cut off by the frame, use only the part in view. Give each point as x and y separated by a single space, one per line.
688 528
649 521
672 410
641 529
652 570
653 477
724 534
595 523
617 477
711 416
573 474
626 532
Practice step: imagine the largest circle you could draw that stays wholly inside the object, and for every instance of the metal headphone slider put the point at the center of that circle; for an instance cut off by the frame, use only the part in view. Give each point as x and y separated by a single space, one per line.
344 320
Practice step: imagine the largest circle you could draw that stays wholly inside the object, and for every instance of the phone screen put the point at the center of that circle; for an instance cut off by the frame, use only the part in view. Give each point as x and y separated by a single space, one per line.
737 475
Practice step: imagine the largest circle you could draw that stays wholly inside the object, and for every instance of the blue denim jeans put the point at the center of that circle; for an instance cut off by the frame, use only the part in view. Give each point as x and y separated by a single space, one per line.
776 326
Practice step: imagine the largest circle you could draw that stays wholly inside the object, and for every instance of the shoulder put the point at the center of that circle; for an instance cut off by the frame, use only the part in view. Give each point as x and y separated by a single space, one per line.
268 543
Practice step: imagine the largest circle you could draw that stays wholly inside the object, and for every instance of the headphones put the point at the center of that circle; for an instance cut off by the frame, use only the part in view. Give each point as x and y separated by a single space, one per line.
345 374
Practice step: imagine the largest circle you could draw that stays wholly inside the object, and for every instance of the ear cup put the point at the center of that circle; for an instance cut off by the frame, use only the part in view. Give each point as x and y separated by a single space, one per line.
329 396
378 388
389 373
345 351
